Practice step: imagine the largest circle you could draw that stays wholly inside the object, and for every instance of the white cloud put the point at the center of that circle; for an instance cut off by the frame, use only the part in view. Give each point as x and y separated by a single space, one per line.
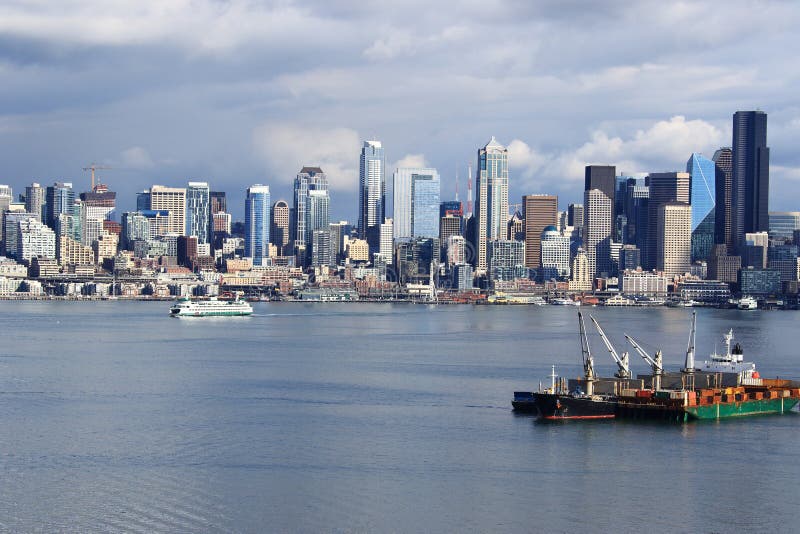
284 148
409 161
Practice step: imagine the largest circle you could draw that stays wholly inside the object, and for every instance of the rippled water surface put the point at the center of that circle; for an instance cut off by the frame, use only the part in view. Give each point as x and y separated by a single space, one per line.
367 417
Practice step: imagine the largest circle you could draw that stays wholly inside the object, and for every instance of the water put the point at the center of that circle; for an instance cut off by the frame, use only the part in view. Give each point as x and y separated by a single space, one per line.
366 418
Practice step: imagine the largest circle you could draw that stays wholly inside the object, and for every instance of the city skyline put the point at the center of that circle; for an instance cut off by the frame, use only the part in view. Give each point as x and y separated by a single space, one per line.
230 100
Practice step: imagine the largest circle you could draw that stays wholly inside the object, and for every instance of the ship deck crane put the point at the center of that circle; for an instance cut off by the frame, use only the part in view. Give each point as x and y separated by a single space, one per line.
655 363
623 362
588 361
688 366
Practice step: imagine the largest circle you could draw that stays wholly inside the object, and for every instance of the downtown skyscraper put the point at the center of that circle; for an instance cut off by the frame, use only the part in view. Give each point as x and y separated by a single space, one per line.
371 193
256 223
491 201
750 191
416 203
598 215
198 211
702 197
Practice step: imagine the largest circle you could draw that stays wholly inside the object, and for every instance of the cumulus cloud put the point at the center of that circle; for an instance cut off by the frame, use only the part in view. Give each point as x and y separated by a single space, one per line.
284 148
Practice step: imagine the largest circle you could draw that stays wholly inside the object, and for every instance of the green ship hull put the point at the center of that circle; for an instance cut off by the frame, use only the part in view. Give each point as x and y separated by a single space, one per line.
740 409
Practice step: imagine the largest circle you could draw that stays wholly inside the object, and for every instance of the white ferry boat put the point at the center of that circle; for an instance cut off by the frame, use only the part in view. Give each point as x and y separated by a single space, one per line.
209 308
747 303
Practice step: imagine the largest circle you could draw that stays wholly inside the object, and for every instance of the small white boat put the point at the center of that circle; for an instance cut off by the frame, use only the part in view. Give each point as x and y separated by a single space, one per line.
565 302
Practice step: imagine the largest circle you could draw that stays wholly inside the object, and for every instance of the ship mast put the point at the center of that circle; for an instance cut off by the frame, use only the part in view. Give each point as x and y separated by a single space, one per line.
688 366
588 362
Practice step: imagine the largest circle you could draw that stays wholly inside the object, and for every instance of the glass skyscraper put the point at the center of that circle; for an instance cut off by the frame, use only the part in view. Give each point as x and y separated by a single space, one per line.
416 203
198 211
307 180
257 221
750 202
372 188
491 201
59 199
702 197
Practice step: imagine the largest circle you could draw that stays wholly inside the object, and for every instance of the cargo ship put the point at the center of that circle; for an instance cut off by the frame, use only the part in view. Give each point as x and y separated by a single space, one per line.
721 387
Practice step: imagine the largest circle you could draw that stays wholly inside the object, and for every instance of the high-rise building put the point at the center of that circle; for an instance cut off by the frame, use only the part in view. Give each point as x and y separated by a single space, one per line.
750 191
674 239
257 222
702 197
307 180
222 223
11 220
6 196
451 207
598 211
449 225
387 242
602 177
416 203
143 200
507 259
581 272
723 160
491 202
663 187
97 206
172 199
339 231
455 250
198 211
372 191
135 226
321 253
575 215
279 231
34 239
35 200
218 202
555 254
59 199
540 212
637 197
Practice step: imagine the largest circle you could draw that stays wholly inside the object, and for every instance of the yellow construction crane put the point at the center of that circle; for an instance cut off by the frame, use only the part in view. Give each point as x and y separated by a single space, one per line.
93 167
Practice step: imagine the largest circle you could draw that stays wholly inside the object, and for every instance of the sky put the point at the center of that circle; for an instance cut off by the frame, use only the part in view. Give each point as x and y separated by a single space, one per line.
243 92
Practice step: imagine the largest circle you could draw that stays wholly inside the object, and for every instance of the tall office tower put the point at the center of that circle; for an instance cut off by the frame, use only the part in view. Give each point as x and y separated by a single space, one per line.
371 191
621 194
198 212
602 177
338 232
307 180
782 224
515 228
540 211
637 197
218 202
416 203
172 199
702 197
491 202
135 227
755 250
455 250
723 160
279 230
96 206
581 272
451 207
449 225
35 200
555 254
256 221
674 240
59 199
663 187
750 191
387 242
598 210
